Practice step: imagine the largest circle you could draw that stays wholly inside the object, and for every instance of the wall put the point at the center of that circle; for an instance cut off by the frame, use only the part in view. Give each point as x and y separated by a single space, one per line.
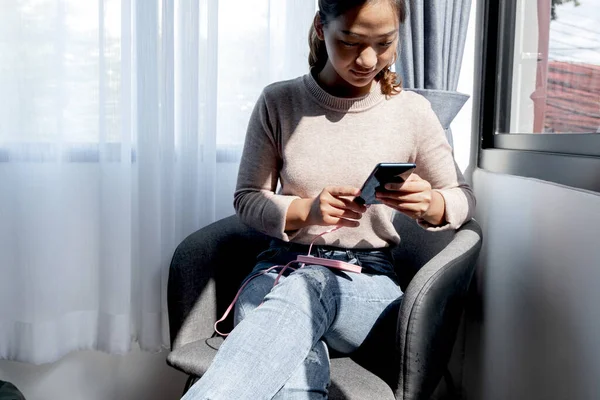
541 261
538 277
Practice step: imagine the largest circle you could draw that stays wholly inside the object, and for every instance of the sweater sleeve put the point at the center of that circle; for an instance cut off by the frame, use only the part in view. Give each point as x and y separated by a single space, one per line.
255 200
435 163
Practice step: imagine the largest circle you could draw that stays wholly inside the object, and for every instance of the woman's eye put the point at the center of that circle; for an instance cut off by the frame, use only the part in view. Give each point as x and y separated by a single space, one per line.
348 44
386 44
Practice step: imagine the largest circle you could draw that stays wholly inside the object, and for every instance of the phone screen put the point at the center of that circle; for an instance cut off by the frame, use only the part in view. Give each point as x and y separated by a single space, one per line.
383 173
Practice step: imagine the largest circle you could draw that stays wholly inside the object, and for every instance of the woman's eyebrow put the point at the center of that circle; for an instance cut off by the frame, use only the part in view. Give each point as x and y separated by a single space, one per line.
349 33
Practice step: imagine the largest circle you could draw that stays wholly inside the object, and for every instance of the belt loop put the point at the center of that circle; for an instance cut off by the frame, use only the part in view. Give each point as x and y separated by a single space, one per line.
354 255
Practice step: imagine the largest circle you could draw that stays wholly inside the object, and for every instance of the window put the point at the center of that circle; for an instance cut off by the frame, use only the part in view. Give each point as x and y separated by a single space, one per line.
58 66
70 73
539 97
556 67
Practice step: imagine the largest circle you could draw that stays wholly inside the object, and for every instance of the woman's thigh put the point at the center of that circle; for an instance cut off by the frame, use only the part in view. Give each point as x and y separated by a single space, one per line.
253 294
359 300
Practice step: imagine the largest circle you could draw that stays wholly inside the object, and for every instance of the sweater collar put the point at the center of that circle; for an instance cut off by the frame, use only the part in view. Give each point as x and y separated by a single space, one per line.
343 104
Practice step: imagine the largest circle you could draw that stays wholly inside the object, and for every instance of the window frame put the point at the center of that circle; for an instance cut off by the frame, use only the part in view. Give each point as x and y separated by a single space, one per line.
568 159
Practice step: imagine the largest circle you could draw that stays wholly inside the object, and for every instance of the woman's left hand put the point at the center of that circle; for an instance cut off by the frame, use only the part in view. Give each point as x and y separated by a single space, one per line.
415 198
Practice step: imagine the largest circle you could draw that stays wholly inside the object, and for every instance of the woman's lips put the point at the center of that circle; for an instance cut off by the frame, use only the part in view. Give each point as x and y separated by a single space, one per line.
362 74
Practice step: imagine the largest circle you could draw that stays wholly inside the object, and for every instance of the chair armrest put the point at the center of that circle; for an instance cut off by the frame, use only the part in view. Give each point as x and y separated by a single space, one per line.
211 261
430 314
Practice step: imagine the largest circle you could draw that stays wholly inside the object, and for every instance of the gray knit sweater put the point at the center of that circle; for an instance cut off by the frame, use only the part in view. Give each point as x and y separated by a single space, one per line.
306 139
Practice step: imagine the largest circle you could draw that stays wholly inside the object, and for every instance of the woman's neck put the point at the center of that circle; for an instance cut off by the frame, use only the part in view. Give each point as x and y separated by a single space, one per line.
333 84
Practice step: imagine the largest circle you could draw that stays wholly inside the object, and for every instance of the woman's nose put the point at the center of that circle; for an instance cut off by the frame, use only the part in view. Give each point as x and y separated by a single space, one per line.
367 59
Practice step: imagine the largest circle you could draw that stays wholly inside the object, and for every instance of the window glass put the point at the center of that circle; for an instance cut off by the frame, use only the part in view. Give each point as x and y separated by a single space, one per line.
556 67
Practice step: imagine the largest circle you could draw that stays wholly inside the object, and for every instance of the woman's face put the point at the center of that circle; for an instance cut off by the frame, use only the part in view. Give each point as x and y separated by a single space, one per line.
360 43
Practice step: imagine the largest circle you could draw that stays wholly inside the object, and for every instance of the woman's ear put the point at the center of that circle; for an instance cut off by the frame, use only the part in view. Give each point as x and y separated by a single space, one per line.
318 24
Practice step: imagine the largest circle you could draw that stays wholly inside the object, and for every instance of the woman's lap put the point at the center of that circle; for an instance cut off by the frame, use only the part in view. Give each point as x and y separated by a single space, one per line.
359 300
270 348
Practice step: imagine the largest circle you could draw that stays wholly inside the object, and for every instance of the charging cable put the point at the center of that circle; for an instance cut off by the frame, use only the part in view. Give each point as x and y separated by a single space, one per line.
301 260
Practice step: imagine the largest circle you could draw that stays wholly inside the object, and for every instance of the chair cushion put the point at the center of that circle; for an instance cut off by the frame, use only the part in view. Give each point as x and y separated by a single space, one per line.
349 381
195 357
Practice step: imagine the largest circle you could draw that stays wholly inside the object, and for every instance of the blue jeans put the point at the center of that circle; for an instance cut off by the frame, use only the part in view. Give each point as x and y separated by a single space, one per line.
280 349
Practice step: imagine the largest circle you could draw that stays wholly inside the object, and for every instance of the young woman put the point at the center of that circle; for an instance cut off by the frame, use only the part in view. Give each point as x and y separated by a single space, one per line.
319 136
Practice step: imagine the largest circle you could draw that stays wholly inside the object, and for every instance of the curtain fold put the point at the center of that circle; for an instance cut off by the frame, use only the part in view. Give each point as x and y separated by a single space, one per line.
121 125
431 51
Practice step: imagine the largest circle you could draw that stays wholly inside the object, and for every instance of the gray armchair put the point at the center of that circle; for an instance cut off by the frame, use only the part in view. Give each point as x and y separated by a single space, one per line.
406 354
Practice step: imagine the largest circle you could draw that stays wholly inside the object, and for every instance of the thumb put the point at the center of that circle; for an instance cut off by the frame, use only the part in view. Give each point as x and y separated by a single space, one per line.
413 177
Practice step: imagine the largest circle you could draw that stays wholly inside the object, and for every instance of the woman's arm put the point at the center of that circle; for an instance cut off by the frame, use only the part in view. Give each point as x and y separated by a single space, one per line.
280 216
297 215
437 194
255 200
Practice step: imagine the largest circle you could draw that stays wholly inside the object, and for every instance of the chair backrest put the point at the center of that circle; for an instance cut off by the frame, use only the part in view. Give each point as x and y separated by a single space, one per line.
417 247
223 253
206 270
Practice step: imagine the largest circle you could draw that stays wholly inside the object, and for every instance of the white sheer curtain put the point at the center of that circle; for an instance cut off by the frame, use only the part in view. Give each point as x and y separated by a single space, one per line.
121 125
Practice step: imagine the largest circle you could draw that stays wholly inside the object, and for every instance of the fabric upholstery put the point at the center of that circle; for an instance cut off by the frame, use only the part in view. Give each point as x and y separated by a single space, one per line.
205 272
195 357
430 314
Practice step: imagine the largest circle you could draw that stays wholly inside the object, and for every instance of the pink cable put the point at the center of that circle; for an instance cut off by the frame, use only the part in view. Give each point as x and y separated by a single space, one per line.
242 288
283 268
318 236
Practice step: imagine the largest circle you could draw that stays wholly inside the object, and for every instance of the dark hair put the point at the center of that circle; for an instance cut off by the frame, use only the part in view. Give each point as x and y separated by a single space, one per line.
330 10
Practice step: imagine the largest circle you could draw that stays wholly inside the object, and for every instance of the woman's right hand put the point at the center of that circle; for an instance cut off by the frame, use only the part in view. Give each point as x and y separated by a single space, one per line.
334 206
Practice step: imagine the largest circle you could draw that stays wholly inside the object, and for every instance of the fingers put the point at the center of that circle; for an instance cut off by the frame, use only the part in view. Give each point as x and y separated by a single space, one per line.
412 198
413 210
342 208
345 203
343 191
351 205
337 207
347 214
406 198
413 184
413 177
340 217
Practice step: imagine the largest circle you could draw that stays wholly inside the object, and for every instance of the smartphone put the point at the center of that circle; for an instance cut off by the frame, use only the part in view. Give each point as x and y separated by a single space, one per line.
383 173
